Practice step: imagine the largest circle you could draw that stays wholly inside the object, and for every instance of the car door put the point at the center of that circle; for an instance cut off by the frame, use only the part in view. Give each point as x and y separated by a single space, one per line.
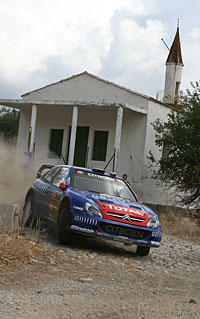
55 193
43 192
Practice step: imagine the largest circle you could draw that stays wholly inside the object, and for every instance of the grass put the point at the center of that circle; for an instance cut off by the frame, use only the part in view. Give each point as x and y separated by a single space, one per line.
186 228
17 249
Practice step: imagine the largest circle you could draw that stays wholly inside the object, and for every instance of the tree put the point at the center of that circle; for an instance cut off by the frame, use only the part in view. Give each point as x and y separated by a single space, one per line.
179 138
9 121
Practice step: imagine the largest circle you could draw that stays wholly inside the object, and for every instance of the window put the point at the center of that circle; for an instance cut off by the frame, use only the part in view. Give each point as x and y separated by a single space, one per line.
48 176
55 145
61 176
100 145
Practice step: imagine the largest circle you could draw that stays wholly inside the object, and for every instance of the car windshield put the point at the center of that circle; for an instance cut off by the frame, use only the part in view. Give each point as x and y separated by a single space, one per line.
101 184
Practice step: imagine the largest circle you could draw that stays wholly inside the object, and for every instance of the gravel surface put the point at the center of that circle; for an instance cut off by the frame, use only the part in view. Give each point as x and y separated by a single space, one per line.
101 279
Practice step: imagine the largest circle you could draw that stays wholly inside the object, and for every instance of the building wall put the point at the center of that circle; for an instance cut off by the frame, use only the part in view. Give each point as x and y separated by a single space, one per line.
132 148
152 191
85 88
23 132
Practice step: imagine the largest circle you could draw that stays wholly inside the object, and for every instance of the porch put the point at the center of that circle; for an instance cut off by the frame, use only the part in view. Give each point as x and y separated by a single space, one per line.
87 135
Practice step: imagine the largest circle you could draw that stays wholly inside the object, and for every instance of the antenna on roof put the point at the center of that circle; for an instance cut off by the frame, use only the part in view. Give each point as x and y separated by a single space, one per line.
165 44
177 23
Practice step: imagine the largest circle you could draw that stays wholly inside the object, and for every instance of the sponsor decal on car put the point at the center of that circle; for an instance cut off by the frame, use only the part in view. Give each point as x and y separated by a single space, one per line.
101 177
124 214
53 206
124 231
126 209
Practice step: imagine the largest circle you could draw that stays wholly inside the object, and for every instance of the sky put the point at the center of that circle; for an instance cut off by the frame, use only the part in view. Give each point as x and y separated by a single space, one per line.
44 41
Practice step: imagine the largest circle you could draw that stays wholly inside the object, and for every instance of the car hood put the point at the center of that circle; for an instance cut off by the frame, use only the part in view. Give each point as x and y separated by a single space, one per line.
100 199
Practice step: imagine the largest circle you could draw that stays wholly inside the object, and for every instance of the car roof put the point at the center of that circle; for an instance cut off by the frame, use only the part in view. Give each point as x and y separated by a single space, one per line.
93 170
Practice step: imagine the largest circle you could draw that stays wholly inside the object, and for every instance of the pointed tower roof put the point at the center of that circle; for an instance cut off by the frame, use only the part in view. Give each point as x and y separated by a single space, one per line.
175 51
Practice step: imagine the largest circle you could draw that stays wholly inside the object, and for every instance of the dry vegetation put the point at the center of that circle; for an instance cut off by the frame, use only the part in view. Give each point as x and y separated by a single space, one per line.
186 228
17 249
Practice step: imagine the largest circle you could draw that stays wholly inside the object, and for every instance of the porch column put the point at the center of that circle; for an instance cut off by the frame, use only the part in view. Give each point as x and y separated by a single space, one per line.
32 127
118 136
73 135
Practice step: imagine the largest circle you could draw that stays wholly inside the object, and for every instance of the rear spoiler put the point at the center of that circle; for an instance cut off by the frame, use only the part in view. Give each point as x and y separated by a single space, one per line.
42 168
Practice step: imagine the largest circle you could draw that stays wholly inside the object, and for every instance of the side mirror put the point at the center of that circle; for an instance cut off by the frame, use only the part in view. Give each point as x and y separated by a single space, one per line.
140 200
62 186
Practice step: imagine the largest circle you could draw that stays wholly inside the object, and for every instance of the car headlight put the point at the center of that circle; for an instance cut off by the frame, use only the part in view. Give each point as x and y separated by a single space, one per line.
93 210
153 222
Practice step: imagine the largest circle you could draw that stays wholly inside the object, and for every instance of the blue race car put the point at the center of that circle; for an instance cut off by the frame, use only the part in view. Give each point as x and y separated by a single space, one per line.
94 203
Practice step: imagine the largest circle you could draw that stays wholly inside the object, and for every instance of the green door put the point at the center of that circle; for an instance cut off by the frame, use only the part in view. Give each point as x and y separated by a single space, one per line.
80 153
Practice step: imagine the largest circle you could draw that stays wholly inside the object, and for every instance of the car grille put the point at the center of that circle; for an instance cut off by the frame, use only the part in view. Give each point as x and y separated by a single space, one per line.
124 231
125 217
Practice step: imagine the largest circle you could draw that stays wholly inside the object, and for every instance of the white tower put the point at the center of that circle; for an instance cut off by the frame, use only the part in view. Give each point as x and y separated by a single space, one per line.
174 66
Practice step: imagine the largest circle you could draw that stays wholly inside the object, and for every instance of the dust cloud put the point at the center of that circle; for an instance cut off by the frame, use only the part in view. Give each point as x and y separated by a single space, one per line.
15 176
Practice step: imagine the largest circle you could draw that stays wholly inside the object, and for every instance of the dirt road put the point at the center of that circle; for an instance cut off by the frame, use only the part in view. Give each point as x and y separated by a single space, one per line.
95 279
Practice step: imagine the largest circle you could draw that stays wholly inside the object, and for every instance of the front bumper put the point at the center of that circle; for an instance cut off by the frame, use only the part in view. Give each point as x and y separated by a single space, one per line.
142 236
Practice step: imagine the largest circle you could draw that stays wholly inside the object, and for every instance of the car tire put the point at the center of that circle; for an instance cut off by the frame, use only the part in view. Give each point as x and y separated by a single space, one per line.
29 218
142 250
63 224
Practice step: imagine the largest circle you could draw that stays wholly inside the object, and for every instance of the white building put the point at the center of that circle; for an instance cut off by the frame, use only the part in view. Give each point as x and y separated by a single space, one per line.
90 122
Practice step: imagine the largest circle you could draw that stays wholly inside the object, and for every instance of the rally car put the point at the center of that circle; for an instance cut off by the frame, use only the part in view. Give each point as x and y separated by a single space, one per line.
94 203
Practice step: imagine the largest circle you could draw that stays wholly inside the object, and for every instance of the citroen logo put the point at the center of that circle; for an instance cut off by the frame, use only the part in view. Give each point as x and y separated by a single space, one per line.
127 217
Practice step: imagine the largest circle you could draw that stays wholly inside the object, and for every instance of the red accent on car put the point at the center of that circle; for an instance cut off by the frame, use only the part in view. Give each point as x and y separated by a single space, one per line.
122 214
